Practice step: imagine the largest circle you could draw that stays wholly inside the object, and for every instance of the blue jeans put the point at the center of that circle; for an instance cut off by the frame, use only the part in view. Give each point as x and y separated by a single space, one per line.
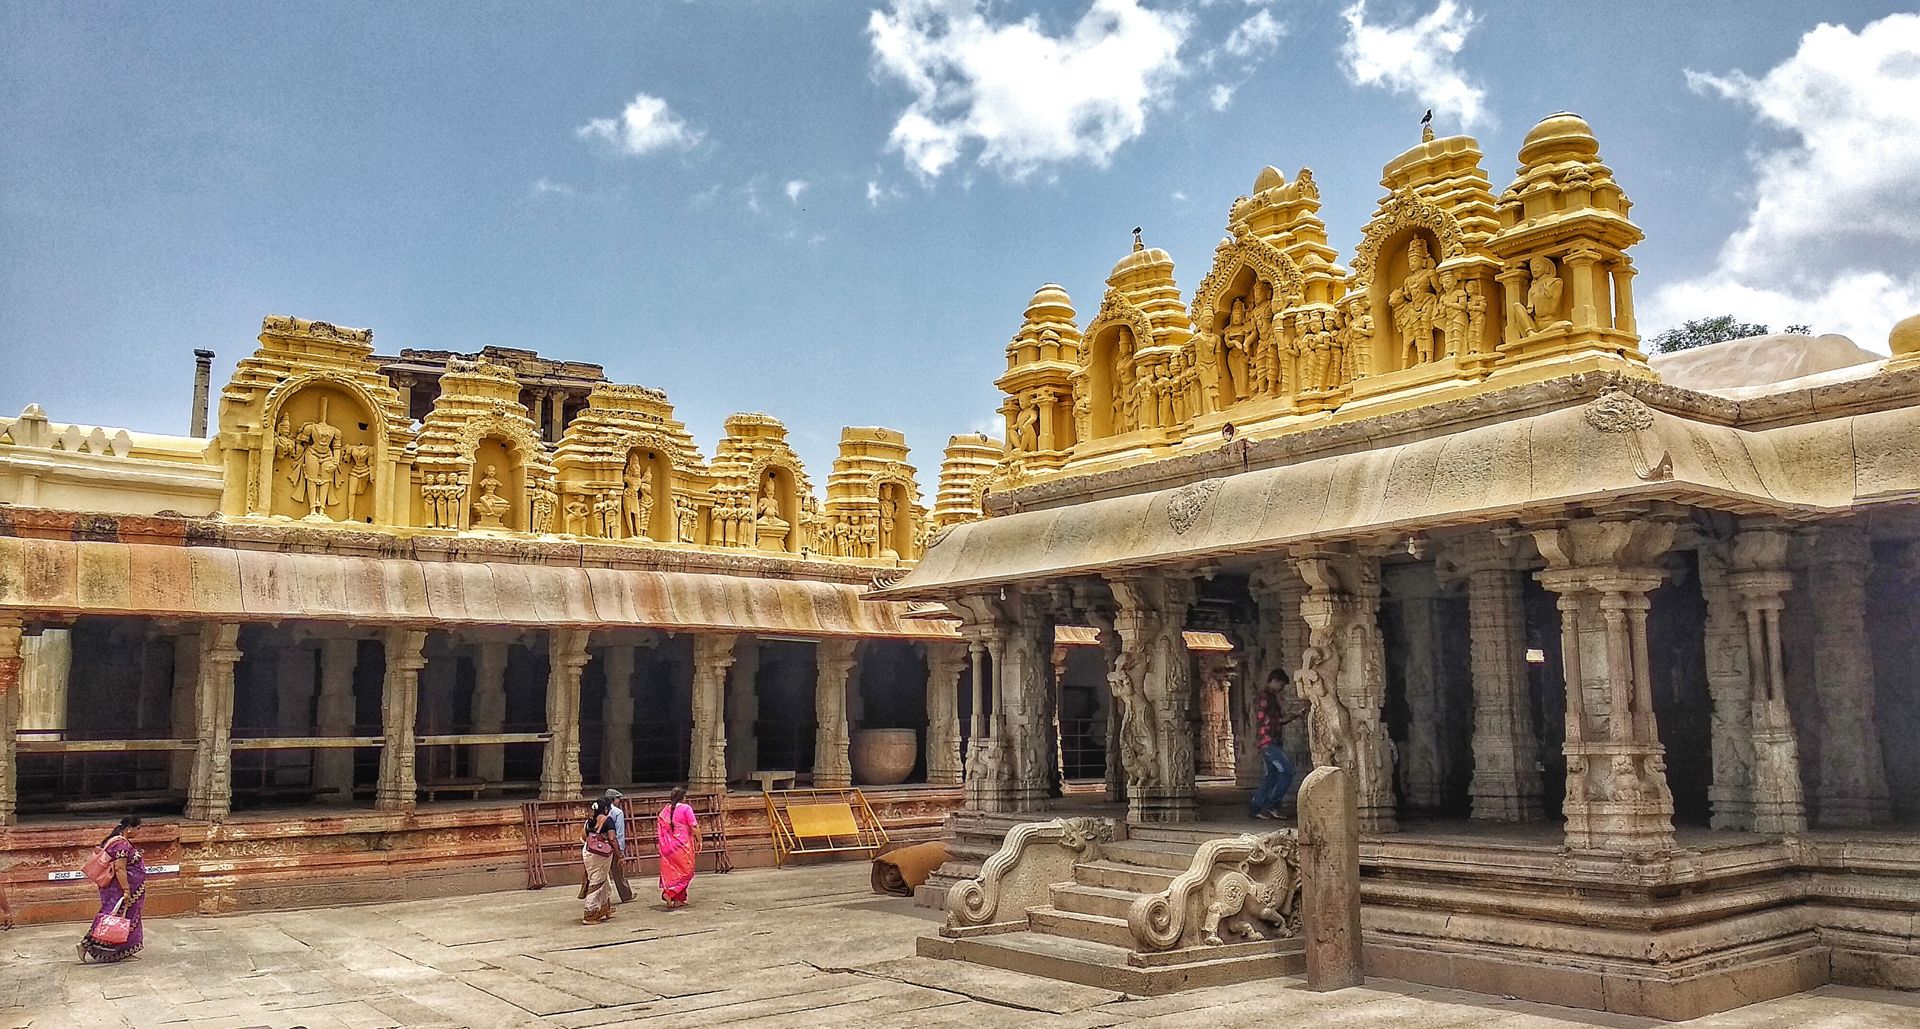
1277 777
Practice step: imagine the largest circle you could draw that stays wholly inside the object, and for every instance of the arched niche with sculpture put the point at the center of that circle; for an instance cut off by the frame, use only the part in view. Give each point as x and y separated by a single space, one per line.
496 496
647 497
1110 379
897 513
776 510
327 452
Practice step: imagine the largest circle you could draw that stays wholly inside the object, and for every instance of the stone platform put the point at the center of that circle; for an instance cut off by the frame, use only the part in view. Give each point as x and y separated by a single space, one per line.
1726 920
798 948
311 856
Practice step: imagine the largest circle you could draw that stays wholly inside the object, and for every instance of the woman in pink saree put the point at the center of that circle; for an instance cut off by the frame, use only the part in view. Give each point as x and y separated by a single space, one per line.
679 834
124 895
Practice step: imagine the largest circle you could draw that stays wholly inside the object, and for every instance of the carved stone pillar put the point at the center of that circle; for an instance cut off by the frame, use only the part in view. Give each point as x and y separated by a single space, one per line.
1852 789
558 398
538 412
1603 568
1513 285
1506 780
186 690
616 716
1761 581
834 662
333 716
1154 684
1623 272
945 663
1343 676
436 710
560 762
46 671
1423 763
1116 770
489 712
210 788
743 709
10 665
1585 267
1725 635
399 709
1007 770
713 654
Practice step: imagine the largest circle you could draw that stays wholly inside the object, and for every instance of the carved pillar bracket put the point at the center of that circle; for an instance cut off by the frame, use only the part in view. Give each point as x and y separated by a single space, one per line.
1343 678
1506 781
399 706
1603 568
1153 683
560 761
835 660
210 789
946 662
713 655
1852 790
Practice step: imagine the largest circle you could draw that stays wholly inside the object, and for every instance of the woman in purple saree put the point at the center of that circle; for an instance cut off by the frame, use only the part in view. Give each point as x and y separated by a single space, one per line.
678 832
124 895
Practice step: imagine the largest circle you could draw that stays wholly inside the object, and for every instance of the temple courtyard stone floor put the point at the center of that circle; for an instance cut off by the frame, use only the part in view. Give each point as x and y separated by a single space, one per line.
794 948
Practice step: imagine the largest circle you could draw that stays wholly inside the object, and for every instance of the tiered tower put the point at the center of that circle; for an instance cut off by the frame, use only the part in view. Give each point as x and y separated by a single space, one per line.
1039 381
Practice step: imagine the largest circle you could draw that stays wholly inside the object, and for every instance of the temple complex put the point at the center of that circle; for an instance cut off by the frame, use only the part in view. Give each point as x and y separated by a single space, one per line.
338 641
1617 654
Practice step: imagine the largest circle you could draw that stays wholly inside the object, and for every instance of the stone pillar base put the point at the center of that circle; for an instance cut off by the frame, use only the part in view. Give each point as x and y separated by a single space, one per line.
1160 804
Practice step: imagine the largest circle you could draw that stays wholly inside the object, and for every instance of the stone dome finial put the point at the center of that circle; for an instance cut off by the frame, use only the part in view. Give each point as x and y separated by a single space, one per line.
1269 178
1904 341
1562 136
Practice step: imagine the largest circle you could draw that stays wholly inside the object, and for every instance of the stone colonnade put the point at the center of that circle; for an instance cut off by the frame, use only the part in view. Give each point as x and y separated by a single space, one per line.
317 673
1318 617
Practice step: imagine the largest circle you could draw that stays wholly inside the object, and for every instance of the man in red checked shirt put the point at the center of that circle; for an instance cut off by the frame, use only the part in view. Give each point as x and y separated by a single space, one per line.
1271 713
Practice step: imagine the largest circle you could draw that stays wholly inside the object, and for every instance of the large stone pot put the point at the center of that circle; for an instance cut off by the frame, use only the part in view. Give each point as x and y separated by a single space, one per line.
883 757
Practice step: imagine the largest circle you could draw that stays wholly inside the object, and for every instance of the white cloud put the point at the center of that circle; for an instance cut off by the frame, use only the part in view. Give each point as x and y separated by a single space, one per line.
1833 237
1258 34
1220 96
645 126
1179 196
1417 57
548 187
1025 98
793 189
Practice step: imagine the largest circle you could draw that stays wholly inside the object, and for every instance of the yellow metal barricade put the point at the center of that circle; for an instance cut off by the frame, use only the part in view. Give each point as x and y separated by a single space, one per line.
822 822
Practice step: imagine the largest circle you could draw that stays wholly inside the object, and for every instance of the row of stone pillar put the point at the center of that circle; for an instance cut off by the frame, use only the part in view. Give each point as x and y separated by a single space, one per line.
724 709
1319 620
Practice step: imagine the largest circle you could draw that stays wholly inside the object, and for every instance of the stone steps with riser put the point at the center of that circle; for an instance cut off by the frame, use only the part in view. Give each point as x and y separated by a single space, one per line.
1119 875
1167 856
1092 900
1051 921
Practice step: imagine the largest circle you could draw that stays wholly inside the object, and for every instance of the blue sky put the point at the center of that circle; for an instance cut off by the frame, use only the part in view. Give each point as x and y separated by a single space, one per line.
835 213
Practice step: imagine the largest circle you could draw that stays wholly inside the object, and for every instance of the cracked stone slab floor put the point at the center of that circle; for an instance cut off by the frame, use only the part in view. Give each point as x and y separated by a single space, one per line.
795 948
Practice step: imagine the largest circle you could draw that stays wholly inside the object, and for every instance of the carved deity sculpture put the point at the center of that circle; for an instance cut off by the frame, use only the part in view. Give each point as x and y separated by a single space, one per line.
869 539
1260 339
540 518
1416 304
1136 720
1236 339
889 514
637 498
1123 396
686 519
285 447
1329 725
1359 339
359 472
1082 414
1476 318
1026 428
576 514
1453 313
770 529
317 474
1207 367
1541 310
1624 780
489 505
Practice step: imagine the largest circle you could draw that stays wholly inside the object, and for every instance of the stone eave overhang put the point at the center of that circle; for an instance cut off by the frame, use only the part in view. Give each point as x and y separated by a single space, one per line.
1883 391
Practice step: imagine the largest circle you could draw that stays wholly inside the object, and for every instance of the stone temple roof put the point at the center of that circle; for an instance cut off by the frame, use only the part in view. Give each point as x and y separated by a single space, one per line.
1753 364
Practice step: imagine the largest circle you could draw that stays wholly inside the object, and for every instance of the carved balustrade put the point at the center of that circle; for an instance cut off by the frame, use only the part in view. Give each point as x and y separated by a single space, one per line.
1034 856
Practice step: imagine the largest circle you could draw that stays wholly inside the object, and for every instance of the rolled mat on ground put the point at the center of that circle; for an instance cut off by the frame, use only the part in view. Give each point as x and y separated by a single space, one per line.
897 872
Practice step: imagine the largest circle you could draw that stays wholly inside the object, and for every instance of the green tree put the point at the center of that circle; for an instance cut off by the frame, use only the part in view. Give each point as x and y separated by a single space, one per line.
1701 331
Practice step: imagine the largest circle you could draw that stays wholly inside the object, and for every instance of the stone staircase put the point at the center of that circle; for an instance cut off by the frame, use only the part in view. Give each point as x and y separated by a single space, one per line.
1077 930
